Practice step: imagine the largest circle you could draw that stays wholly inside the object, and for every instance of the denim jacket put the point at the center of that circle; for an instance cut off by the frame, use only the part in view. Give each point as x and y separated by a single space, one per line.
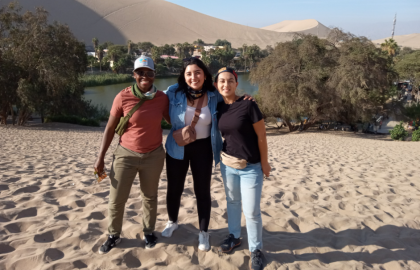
177 108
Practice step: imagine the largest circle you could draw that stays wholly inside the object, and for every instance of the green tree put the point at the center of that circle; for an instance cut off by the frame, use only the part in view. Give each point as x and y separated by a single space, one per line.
315 78
223 42
145 46
100 55
129 47
179 50
408 67
95 42
48 62
205 58
199 42
390 46
160 69
169 62
156 53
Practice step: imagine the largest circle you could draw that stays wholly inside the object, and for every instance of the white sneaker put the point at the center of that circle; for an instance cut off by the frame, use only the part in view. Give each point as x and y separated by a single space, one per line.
170 228
203 239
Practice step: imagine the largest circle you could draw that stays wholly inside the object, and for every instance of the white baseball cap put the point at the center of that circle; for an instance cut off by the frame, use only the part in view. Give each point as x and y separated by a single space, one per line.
144 62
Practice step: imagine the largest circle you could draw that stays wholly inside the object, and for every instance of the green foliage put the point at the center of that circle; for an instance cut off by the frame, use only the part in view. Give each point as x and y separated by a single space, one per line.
343 78
106 79
223 42
408 67
41 64
165 125
160 69
72 119
398 133
98 112
416 136
412 112
390 46
145 46
199 42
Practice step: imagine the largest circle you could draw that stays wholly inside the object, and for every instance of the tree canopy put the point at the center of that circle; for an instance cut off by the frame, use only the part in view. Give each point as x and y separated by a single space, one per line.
346 80
408 67
41 64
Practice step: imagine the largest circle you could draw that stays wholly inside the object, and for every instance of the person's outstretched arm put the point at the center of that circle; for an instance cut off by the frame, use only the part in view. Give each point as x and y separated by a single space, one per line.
106 142
259 128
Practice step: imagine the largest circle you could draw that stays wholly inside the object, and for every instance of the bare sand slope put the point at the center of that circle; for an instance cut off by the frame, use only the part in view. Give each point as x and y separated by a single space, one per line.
157 21
333 202
310 26
412 41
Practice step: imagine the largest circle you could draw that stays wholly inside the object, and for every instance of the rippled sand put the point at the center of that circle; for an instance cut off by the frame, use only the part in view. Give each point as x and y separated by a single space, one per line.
334 201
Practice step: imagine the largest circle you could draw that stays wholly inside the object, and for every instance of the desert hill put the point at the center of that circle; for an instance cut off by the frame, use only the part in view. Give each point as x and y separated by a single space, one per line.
156 21
412 40
300 26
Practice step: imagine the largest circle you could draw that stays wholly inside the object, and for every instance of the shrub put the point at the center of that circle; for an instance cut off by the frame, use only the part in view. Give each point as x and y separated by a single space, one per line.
72 119
412 112
106 79
398 133
416 136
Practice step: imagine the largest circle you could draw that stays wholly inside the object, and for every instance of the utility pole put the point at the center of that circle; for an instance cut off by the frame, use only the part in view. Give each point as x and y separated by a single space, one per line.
393 27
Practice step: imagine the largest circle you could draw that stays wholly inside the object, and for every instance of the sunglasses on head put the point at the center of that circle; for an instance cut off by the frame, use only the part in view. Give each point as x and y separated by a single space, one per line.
142 73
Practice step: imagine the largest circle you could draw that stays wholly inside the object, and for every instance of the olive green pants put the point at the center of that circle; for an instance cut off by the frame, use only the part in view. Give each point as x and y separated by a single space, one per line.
125 166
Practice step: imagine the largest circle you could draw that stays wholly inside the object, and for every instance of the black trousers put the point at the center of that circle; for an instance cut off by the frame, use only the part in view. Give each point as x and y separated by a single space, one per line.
199 155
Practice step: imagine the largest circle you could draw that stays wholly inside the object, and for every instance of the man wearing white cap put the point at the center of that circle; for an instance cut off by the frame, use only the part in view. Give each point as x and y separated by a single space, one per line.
139 151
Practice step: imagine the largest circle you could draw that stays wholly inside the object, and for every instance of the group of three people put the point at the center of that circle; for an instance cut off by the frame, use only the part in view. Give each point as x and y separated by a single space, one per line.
140 151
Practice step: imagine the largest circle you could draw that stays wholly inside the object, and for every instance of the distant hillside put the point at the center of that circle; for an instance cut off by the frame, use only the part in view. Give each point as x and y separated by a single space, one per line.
300 26
412 41
156 21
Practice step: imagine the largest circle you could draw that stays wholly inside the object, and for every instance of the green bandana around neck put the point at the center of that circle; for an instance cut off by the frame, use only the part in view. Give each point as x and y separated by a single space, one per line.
139 94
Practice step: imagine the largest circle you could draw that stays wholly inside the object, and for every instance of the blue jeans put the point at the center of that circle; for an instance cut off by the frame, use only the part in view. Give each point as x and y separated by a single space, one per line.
246 183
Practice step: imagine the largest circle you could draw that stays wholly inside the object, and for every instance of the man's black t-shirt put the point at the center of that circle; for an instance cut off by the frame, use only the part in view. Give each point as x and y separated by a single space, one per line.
236 125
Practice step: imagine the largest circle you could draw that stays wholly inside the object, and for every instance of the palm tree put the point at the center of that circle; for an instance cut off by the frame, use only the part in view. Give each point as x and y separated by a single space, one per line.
100 53
244 53
129 47
179 50
95 42
390 46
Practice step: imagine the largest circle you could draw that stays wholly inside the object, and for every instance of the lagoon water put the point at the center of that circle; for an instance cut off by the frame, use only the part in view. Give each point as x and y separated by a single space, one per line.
106 94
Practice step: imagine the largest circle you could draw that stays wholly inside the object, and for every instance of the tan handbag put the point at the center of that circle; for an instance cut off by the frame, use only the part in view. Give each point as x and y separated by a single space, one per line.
232 161
187 134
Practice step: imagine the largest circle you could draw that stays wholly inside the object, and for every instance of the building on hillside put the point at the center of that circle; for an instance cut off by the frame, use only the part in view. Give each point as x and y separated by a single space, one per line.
212 47
169 56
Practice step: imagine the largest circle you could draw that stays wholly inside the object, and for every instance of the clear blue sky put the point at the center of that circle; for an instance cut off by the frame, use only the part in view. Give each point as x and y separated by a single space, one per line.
371 18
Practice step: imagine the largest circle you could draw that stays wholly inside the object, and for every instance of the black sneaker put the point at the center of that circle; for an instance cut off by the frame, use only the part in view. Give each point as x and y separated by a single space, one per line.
150 240
256 262
111 242
229 244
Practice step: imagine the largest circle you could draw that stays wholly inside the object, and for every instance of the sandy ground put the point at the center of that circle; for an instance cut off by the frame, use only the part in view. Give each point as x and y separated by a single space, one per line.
310 26
334 201
156 21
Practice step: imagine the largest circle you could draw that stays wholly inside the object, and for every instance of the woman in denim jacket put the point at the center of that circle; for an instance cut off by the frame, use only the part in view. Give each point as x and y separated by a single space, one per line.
195 81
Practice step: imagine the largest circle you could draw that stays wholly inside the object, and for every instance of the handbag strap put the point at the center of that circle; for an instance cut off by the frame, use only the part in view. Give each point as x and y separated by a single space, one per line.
197 112
135 108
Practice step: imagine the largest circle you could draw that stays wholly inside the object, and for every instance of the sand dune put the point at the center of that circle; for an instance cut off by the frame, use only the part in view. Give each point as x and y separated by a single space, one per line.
300 26
156 21
412 40
335 200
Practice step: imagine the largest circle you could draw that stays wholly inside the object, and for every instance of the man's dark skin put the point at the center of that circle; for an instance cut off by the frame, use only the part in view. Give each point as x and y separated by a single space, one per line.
145 84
